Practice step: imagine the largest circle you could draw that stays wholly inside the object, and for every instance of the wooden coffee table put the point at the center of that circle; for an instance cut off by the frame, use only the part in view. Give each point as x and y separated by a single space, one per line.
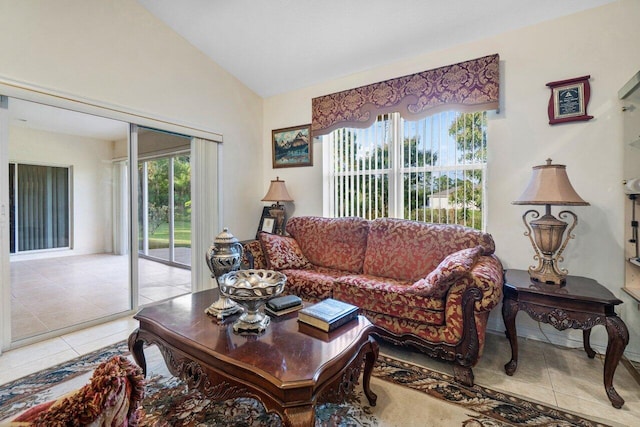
289 368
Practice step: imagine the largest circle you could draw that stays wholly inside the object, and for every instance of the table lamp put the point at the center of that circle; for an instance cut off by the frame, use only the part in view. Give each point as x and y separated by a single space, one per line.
277 193
549 185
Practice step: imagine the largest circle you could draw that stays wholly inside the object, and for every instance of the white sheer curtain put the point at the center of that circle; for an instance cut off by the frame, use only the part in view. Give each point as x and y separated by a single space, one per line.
120 208
205 220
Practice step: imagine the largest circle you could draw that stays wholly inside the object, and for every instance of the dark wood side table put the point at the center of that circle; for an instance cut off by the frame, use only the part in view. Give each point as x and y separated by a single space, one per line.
580 303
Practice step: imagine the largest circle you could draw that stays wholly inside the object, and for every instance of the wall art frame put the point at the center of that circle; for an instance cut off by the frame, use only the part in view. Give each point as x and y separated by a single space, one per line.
292 147
268 224
265 214
569 100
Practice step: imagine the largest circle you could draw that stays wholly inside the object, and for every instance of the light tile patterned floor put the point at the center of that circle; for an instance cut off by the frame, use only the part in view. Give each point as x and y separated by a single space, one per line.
50 294
546 373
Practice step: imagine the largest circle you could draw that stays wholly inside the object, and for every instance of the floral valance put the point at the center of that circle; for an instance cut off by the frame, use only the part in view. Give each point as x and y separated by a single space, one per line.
467 86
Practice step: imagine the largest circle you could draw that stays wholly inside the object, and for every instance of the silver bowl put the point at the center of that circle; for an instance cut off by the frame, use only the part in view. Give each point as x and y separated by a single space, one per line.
251 289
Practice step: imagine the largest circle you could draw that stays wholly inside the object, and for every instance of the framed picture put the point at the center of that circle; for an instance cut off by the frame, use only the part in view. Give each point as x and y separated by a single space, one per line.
265 214
268 224
569 99
292 147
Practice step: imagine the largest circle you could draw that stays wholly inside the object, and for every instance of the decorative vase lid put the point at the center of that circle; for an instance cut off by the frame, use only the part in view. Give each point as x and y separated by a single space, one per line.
225 238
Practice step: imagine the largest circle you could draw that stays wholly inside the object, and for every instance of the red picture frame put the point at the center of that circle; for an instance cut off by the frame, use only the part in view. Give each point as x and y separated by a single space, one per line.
569 100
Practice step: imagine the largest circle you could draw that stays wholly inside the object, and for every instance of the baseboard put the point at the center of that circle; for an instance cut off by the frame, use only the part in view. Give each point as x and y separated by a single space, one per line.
632 367
561 338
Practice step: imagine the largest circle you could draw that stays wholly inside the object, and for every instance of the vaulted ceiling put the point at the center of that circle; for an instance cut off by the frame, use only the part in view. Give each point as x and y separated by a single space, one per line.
275 46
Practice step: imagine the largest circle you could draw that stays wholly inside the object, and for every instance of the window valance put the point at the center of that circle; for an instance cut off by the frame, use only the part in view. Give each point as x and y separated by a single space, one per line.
467 86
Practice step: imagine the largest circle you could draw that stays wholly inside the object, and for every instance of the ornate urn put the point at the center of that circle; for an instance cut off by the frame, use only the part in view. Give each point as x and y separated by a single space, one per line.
223 257
251 289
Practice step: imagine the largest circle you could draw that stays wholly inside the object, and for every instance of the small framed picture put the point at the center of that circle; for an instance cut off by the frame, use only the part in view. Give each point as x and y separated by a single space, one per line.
268 224
265 214
569 99
292 147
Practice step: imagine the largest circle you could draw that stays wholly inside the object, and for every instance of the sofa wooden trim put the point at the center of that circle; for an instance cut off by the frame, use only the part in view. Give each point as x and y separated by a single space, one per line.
464 354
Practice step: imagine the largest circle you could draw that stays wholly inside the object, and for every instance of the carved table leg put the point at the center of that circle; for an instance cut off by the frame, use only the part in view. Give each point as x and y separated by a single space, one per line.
370 359
300 416
509 311
586 335
136 349
463 374
618 340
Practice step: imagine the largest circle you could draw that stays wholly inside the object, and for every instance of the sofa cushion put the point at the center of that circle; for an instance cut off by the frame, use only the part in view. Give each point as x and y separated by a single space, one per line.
282 252
389 296
312 285
410 250
452 268
337 243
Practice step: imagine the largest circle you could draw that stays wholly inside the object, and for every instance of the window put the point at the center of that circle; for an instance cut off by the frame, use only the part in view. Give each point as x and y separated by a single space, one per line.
39 206
429 170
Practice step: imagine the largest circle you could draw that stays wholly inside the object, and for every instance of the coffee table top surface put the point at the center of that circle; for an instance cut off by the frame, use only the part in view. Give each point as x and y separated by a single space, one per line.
287 351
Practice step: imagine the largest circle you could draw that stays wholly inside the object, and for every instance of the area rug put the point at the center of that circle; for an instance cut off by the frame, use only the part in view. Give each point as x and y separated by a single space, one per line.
408 395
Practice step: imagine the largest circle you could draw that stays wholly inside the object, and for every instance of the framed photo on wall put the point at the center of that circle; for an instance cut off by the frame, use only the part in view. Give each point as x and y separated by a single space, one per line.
569 99
292 147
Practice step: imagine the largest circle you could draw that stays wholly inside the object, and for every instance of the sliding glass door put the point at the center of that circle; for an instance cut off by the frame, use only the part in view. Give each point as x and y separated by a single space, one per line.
164 197
98 217
164 215
64 267
39 204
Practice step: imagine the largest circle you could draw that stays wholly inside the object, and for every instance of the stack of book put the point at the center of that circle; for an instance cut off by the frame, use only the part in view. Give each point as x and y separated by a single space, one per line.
280 306
327 315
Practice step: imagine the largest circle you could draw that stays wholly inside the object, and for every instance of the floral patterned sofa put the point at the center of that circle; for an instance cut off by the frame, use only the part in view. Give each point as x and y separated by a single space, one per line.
430 286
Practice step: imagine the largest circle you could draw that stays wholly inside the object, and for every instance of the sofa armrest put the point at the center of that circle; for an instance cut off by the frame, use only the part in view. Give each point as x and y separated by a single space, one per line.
486 275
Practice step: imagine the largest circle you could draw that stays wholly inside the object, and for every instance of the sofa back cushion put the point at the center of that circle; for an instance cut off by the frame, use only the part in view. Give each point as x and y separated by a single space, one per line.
338 243
410 250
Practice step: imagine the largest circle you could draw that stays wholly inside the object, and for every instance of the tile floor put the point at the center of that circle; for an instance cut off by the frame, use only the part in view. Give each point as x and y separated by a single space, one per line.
95 286
546 373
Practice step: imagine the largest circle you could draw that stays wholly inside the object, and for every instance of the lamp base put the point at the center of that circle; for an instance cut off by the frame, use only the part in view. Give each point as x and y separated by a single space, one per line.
277 211
546 238
547 272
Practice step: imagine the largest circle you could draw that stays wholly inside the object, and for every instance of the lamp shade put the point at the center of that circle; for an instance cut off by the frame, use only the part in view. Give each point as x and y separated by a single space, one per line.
550 185
277 192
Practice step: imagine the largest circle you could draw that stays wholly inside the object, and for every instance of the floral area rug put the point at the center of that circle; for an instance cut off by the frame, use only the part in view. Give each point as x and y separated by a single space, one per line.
408 395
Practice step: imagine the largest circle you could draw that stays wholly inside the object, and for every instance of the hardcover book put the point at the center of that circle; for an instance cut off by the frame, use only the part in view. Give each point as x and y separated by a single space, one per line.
282 312
283 303
328 314
280 306
321 335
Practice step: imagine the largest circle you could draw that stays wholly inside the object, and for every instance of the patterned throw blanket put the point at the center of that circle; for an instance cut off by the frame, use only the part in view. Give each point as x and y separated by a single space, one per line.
111 398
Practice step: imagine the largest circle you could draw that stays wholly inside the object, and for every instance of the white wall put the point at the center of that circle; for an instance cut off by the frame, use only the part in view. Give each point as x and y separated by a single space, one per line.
601 42
117 53
90 162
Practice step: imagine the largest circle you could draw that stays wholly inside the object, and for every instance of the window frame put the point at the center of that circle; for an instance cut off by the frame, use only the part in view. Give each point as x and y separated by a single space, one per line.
398 169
